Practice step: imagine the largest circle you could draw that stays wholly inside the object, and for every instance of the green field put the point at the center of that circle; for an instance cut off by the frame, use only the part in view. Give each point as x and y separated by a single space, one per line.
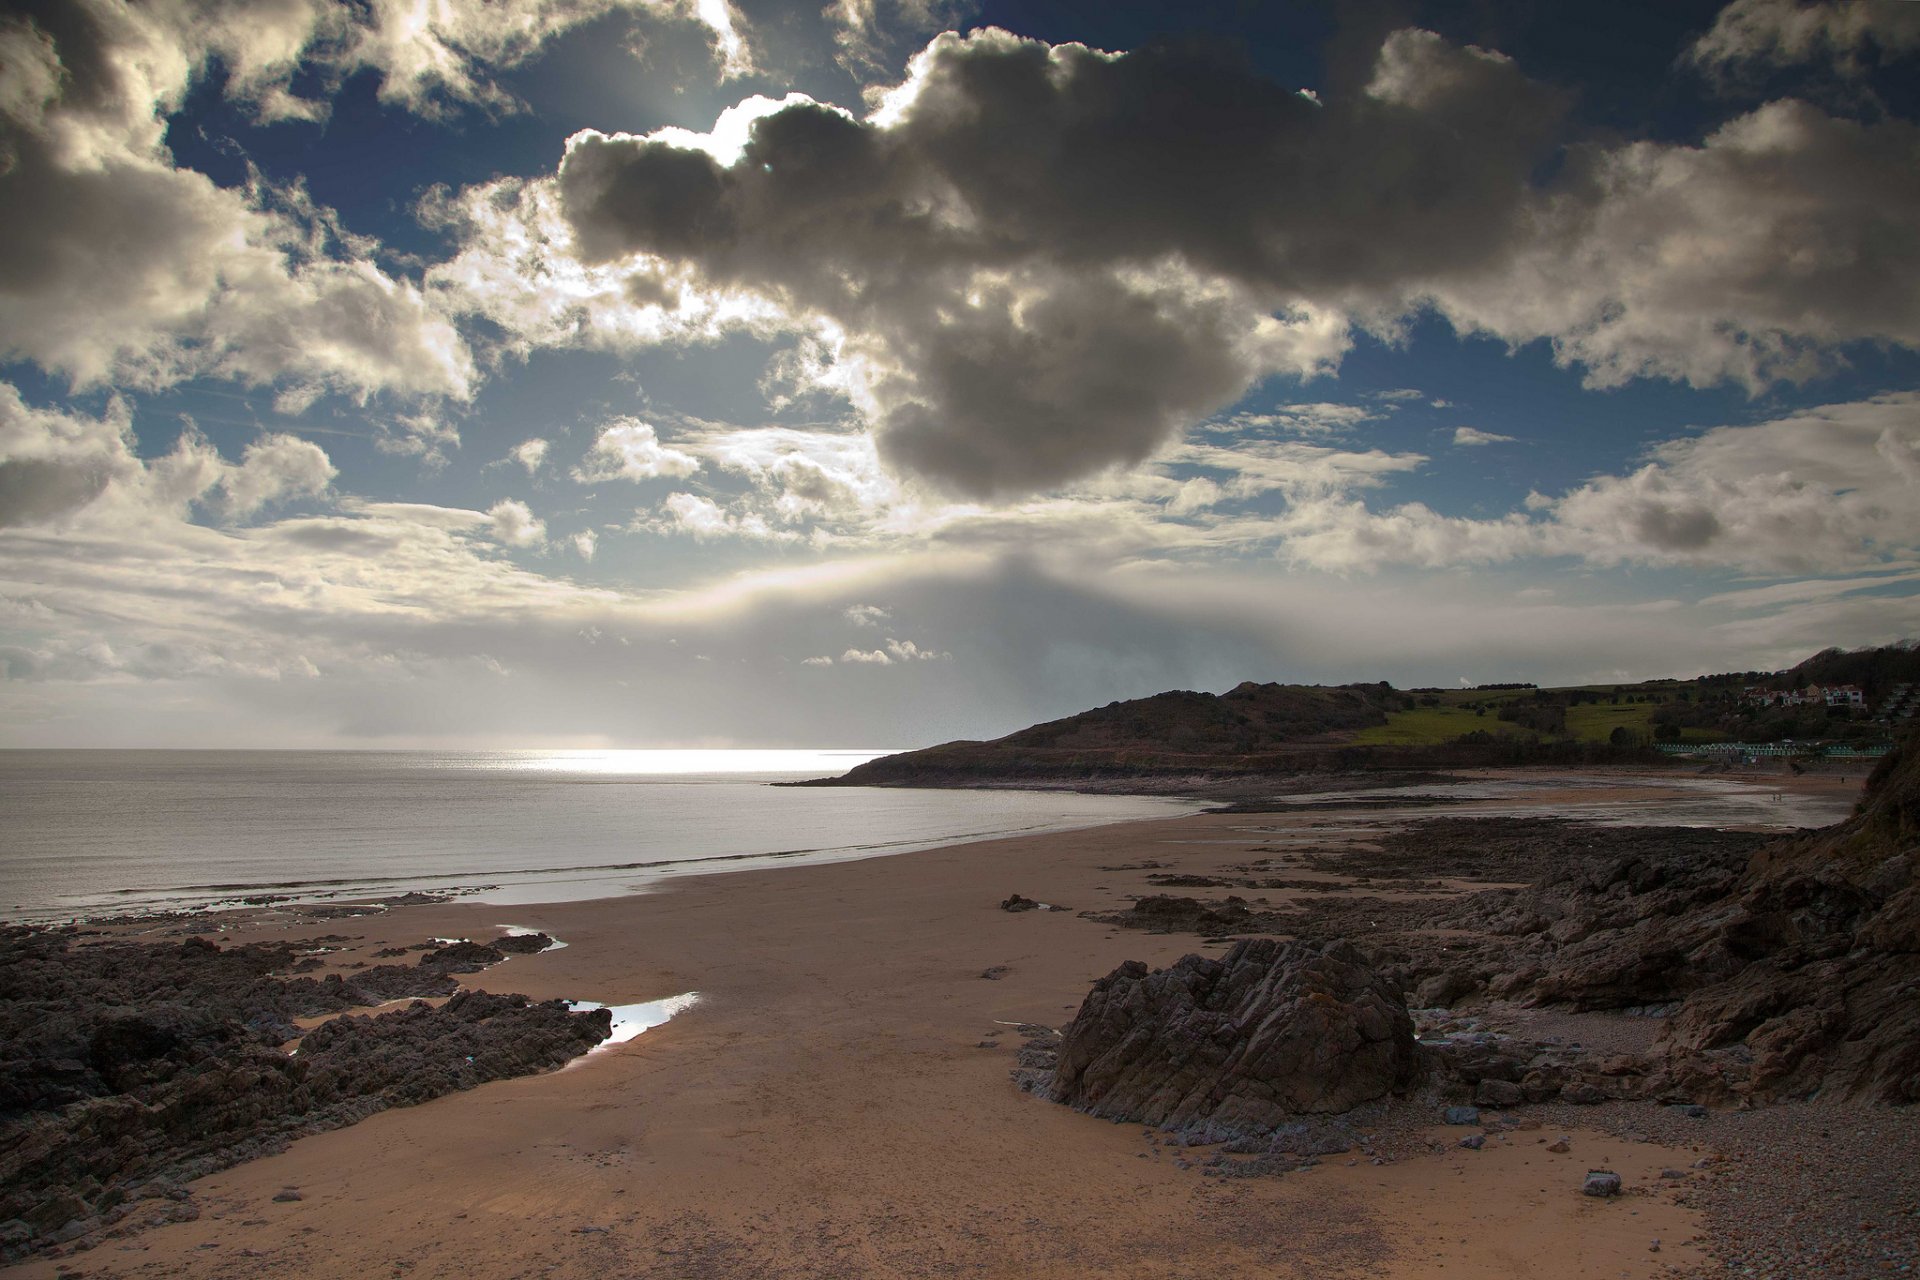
1425 726
1588 722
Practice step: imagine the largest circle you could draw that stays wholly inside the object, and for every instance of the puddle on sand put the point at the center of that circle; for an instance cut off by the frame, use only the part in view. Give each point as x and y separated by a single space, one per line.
629 1020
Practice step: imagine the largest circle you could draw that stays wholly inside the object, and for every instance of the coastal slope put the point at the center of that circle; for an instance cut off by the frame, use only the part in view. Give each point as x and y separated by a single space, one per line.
1251 728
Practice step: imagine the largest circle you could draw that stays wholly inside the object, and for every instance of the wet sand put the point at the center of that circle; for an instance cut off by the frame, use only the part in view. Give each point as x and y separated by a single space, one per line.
827 1108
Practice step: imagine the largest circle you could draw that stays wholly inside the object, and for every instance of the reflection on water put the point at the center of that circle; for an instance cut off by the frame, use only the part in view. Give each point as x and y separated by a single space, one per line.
629 1020
1674 802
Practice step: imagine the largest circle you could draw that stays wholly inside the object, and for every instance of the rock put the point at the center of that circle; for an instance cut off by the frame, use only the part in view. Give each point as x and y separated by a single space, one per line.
522 944
993 973
1474 1141
1582 1094
1498 1093
1446 988
1559 1146
1241 1044
1172 913
1673 1174
1015 902
288 1196
1460 1115
462 957
129 1068
1600 1182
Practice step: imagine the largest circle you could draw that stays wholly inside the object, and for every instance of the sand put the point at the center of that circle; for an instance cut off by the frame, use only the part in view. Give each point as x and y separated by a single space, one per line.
827 1109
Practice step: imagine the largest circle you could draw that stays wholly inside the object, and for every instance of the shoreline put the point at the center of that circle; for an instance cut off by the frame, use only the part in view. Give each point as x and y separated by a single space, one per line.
828 1108
1227 795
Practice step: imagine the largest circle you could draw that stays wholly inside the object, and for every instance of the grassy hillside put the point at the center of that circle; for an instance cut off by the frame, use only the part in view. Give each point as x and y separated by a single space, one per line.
1265 728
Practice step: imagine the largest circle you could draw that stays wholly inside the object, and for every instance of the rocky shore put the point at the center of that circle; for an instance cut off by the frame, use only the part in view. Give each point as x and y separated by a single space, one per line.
1764 971
132 1067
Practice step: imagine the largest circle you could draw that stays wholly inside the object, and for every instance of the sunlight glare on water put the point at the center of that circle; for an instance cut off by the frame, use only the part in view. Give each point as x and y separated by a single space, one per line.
690 760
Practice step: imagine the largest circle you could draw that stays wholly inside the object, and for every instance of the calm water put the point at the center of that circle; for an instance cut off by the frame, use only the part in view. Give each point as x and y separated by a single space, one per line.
93 832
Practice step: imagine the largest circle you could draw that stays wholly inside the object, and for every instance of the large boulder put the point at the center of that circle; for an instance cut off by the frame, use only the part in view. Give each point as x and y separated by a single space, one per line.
1244 1044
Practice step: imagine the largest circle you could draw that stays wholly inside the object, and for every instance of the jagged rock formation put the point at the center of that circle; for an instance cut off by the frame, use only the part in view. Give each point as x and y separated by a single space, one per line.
129 1068
1269 1032
1791 971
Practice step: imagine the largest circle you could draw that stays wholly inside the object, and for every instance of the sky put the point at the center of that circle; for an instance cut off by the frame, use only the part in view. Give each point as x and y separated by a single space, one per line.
712 373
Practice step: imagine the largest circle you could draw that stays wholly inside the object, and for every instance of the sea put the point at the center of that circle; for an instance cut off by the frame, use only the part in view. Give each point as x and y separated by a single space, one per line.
91 834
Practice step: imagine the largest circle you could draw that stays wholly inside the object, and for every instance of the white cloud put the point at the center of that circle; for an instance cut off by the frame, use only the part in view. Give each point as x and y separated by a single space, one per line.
1749 258
515 525
274 468
865 615
908 651
425 435
867 657
1468 437
628 449
530 454
586 542
1831 489
120 267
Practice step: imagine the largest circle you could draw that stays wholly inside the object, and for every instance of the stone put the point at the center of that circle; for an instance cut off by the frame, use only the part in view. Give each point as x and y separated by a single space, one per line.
1460 1115
1600 1182
1474 1141
1242 1044
1498 1093
1015 902
1559 1146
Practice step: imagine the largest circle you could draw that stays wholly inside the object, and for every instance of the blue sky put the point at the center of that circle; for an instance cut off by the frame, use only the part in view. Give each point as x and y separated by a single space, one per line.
662 372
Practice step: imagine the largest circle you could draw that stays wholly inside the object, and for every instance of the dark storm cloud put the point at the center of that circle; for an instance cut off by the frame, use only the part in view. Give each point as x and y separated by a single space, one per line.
1035 262
1053 258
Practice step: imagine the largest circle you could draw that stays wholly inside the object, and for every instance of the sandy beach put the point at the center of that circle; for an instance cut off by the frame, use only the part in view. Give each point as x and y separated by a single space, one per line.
839 1103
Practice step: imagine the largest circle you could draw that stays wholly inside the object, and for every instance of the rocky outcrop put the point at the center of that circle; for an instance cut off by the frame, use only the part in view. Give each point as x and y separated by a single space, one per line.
1789 971
1239 1045
129 1068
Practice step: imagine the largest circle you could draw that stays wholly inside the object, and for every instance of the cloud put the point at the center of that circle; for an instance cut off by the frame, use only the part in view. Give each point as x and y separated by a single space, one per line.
530 454
329 619
425 435
586 542
119 267
1835 488
1468 437
1819 490
274 468
1305 419
1750 34
515 525
908 651
1032 262
869 35
865 615
56 466
702 518
628 449
1037 261
1750 258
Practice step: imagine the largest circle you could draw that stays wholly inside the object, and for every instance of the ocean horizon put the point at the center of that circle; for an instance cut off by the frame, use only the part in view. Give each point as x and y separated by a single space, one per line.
95 833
